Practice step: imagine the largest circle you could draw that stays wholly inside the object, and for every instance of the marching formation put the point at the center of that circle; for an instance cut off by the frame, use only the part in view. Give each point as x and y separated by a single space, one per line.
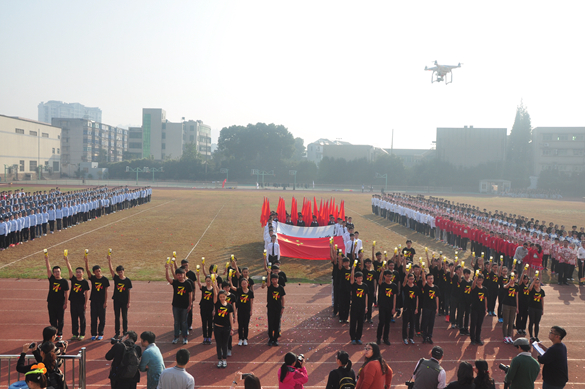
28 216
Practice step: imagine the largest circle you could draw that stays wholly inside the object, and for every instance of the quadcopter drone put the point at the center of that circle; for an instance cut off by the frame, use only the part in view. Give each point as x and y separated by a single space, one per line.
440 72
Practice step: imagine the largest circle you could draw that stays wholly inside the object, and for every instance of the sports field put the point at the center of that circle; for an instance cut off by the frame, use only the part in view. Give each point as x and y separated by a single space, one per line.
215 224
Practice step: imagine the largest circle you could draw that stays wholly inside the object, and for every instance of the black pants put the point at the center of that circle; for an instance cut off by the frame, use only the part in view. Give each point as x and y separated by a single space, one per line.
408 319
122 384
501 294
206 322
59 224
356 322
522 317
56 315
463 315
428 322
2 242
492 297
477 317
120 307
45 228
563 270
273 324
222 336
534 323
24 235
417 321
454 310
77 319
384 317
243 323
580 263
370 303
52 225
545 260
344 299
336 296
98 313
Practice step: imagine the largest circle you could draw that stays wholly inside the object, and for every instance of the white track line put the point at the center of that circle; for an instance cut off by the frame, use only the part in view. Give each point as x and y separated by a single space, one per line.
210 223
85 233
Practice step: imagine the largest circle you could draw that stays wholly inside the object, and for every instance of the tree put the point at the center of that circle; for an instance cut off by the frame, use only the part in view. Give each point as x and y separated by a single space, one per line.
299 149
519 153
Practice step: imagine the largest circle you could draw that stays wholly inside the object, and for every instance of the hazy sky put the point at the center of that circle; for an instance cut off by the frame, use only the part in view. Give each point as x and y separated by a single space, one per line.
324 69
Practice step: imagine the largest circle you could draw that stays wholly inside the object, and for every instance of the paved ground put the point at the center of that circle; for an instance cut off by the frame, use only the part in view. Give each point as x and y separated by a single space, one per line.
307 328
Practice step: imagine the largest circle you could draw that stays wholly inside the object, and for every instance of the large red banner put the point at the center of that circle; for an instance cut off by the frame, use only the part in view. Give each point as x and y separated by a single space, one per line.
307 248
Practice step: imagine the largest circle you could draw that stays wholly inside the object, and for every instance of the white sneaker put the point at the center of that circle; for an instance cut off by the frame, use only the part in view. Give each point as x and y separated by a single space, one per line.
229 353
224 363
185 341
245 342
240 342
175 341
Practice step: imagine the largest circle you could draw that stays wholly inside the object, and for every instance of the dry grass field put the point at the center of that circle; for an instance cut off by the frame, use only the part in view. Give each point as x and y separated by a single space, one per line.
218 223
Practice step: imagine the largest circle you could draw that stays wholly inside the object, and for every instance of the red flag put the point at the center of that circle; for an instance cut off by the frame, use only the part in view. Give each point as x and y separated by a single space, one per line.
336 214
307 248
281 210
342 210
265 212
320 214
315 209
223 183
294 212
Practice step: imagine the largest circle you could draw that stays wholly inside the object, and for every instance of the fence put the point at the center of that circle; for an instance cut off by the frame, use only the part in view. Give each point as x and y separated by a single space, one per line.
6 360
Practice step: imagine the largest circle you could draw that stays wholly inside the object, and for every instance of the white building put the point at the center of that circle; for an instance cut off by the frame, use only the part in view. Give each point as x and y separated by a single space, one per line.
58 109
29 144
558 148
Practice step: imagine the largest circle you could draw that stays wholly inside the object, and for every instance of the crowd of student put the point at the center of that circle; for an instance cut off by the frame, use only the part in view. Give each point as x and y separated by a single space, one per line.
26 216
497 235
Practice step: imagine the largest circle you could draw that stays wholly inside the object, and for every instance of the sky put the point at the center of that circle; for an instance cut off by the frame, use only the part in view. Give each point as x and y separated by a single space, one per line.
324 69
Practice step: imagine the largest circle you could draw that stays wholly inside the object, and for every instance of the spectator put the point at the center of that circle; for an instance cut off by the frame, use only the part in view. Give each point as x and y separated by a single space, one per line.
482 379
250 381
176 377
289 375
117 371
50 335
47 351
375 373
464 377
431 375
555 372
343 376
523 370
36 379
152 359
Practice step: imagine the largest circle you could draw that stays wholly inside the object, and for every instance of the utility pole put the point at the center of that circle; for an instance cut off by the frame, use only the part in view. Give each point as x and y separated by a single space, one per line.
293 173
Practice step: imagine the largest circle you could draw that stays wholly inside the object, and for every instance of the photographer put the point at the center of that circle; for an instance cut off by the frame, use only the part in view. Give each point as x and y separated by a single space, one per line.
49 359
523 370
292 374
124 373
428 373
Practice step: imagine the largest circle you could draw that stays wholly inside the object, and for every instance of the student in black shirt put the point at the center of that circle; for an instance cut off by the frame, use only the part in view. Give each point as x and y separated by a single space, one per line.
344 290
409 252
510 308
57 297
191 278
449 268
222 323
387 291
369 280
523 298
206 308
245 306
99 300
275 304
465 303
411 295
78 301
479 306
121 297
359 302
182 295
335 278
456 294
231 299
491 283
430 307
535 308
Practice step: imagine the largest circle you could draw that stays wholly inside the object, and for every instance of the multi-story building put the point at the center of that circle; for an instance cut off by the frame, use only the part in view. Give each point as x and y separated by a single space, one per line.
316 150
163 139
468 146
88 141
558 148
411 157
58 109
27 145
134 143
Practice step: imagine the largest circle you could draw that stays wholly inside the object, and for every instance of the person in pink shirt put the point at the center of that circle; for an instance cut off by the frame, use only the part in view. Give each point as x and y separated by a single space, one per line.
292 374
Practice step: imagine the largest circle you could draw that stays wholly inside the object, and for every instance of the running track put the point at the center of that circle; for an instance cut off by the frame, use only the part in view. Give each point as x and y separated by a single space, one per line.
307 328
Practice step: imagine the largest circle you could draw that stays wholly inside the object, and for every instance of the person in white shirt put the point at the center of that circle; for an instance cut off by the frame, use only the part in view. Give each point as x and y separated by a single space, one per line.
350 247
273 250
176 377
581 260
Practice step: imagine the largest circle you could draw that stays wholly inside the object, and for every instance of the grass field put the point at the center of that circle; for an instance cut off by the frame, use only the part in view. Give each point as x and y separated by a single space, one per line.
216 224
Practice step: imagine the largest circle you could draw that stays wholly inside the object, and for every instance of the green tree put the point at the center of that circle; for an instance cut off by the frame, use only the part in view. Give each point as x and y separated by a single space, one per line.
519 153
299 149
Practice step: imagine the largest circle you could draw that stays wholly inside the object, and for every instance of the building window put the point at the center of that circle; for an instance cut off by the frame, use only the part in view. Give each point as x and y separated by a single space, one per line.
192 138
192 128
562 152
563 137
164 136
45 135
21 167
579 138
578 152
58 151
164 146
547 137
53 150
19 131
58 136
32 166
33 133
55 166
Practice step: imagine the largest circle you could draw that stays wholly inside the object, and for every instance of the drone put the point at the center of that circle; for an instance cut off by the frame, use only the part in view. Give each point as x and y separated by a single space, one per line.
440 72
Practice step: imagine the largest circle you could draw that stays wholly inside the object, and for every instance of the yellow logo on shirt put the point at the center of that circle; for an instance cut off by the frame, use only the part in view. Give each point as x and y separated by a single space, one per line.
98 286
180 290
480 296
207 295
121 287
56 287
388 292
222 312
537 297
276 295
411 294
511 292
359 293
431 294
467 289
369 277
347 276
77 288
244 299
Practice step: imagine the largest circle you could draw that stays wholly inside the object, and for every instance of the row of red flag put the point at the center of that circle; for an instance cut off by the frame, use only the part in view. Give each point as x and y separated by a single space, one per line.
308 209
